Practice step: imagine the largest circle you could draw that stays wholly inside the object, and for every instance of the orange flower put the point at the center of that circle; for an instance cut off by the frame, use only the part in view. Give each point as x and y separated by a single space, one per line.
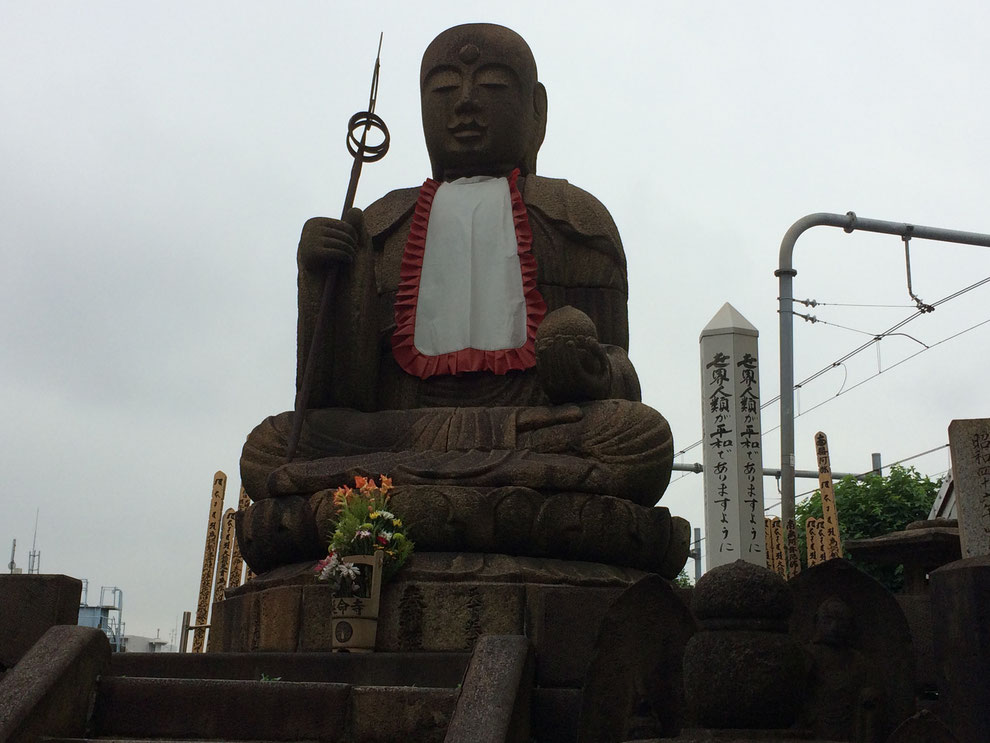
341 496
386 483
360 482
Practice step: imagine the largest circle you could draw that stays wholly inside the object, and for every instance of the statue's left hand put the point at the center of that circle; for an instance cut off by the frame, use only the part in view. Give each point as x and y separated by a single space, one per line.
571 364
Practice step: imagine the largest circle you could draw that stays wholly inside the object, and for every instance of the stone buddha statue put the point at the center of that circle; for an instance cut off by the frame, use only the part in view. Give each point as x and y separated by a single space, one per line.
477 348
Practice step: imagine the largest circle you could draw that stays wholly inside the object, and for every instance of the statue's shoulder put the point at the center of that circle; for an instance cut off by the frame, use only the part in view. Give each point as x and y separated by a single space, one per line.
569 205
560 201
390 211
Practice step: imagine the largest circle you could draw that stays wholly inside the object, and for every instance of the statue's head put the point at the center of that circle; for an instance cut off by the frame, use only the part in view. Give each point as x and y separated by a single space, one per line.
834 623
484 111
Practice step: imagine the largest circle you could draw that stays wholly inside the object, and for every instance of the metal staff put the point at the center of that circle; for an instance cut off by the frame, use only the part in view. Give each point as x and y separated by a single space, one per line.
362 152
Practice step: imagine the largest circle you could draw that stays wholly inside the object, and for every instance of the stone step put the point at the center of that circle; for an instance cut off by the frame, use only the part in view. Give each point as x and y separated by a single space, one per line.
158 740
218 708
226 709
434 670
556 714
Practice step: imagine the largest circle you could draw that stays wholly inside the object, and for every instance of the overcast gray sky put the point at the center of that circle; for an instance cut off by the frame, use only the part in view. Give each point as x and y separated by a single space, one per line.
157 162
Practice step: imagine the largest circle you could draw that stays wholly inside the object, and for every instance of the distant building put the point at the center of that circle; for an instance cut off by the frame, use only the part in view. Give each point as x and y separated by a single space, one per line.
106 616
138 644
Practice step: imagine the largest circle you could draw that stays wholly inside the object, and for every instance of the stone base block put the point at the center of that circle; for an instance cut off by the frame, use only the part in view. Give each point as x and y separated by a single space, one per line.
730 675
384 714
961 608
439 602
31 604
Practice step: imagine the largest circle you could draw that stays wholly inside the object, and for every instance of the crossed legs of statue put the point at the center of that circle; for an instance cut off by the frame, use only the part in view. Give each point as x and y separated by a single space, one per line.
609 447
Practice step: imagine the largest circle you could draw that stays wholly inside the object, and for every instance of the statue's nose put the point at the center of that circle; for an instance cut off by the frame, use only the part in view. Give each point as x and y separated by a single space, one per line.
467 102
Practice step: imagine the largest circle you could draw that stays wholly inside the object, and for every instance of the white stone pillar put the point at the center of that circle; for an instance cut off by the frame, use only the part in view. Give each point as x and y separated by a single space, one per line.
733 451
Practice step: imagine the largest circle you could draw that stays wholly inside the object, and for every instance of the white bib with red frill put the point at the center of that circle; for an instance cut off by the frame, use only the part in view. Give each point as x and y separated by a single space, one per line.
470 286
467 298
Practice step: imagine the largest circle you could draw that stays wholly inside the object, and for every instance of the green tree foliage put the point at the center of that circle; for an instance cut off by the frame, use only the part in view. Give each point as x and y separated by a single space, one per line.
683 580
872 507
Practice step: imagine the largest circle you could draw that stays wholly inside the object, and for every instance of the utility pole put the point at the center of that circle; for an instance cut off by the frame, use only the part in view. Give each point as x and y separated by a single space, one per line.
695 554
849 222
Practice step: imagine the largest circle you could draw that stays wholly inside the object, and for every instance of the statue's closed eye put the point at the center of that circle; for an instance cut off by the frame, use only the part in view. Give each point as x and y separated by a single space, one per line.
494 77
443 81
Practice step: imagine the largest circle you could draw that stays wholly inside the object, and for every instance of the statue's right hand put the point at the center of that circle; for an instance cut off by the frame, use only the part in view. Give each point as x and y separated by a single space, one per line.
327 242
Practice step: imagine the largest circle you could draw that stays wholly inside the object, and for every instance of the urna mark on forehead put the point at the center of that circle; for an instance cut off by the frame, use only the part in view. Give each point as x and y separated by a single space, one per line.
480 44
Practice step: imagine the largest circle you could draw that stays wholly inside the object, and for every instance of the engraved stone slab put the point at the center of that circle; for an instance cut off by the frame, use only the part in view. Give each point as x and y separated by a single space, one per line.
559 620
448 616
969 443
878 653
635 686
278 620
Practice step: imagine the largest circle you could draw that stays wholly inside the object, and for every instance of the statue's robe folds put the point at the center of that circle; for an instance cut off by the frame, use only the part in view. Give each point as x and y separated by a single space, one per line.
368 416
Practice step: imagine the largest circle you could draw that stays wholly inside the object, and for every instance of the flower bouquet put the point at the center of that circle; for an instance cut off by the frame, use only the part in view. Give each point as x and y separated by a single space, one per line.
368 545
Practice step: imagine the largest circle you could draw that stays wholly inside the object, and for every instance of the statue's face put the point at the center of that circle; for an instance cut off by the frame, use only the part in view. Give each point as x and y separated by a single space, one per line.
834 625
480 114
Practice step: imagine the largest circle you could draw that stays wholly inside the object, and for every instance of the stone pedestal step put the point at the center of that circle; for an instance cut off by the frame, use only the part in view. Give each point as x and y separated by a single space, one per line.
225 709
160 740
435 670
556 715
702 735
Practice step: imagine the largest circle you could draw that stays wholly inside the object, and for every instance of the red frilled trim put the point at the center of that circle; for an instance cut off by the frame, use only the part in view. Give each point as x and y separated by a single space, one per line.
467 359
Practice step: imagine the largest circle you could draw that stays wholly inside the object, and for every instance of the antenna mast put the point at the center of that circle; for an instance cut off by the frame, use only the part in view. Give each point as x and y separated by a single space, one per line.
34 556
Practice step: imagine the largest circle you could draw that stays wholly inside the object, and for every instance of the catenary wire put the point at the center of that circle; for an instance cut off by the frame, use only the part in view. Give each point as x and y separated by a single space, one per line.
863 347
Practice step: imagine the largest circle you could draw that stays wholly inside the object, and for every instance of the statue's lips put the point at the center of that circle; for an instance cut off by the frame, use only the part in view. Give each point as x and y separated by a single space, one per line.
467 132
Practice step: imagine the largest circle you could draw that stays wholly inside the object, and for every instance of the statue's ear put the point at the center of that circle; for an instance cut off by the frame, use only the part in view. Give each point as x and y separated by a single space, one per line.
540 124
540 102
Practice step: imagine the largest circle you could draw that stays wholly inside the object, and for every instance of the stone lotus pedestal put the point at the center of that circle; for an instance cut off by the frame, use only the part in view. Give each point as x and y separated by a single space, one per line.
275 532
354 619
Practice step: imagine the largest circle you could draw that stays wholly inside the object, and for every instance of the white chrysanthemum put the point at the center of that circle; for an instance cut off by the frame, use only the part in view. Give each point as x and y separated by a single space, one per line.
329 569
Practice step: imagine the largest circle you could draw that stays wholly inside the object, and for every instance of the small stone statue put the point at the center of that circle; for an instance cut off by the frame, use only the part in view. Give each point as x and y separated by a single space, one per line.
843 702
743 670
479 332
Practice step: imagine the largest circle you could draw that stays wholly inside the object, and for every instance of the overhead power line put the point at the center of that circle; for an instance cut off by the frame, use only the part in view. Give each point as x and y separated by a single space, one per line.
876 339
889 331
884 467
882 371
816 303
